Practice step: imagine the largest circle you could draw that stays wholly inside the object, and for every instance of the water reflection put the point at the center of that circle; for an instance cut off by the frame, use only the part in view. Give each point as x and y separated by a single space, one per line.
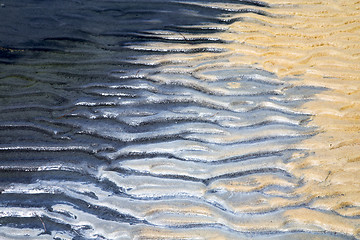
179 119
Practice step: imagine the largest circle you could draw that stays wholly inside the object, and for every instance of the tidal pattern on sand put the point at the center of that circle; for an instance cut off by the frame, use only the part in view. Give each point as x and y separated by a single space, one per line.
179 120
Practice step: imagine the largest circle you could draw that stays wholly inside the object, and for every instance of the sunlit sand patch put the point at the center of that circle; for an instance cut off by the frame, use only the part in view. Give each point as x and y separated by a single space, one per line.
318 44
234 85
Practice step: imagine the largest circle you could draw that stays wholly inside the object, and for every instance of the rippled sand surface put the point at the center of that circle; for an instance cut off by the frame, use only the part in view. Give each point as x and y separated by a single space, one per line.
180 120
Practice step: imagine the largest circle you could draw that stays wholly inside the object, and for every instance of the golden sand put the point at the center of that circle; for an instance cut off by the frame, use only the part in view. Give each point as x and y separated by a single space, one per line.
319 44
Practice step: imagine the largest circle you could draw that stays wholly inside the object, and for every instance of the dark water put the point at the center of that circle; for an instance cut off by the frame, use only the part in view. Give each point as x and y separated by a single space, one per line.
125 120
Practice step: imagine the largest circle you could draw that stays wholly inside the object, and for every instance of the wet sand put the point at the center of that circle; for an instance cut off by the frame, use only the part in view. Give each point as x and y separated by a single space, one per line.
211 120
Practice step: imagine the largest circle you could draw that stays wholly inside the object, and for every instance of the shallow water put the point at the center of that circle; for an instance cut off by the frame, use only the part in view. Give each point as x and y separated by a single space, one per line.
179 120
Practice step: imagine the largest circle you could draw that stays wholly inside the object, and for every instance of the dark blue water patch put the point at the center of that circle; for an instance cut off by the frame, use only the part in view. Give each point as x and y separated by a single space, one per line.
46 200
28 25
37 222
